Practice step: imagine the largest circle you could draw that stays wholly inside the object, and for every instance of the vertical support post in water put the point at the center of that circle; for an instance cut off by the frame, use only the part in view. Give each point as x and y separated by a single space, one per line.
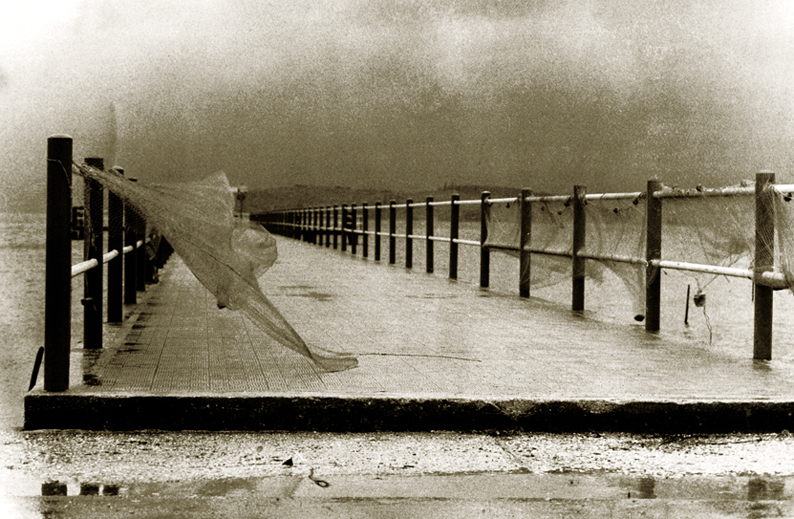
130 260
429 224
377 230
94 245
524 242
764 261
454 224
409 230
344 227
392 231
116 265
579 241
653 251
58 275
364 229
334 231
485 252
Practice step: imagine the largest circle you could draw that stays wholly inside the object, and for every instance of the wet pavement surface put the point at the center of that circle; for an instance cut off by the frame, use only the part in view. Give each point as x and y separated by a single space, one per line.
234 474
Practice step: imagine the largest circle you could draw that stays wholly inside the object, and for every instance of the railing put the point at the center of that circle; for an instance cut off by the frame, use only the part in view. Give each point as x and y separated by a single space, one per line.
320 225
126 274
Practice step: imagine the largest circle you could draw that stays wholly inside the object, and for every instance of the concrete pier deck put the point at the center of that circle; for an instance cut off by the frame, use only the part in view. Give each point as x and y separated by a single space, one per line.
434 354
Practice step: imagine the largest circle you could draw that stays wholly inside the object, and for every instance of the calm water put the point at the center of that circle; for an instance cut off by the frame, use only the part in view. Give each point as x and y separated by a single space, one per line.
728 309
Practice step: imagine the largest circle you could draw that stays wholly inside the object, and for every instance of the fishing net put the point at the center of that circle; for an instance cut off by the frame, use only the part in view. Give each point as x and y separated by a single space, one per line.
227 255
615 232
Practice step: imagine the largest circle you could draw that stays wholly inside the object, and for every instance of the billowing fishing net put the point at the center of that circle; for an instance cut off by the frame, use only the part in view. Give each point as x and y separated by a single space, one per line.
226 254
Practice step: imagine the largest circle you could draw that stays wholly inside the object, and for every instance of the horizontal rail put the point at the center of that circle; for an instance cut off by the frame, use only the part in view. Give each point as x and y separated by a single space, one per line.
466 242
615 196
705 192
85 266
503 200
767 278
548 198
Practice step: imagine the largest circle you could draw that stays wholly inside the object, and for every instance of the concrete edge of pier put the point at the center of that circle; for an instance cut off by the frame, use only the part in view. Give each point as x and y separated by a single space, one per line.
323 412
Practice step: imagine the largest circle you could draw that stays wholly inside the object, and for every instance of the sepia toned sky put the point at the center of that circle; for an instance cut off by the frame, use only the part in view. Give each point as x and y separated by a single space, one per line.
401 93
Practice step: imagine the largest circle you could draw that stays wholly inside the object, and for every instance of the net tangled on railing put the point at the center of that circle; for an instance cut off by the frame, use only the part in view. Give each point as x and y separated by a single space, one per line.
227 255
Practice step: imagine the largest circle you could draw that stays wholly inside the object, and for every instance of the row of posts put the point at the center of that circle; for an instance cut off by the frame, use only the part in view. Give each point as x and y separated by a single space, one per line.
126 275
322 226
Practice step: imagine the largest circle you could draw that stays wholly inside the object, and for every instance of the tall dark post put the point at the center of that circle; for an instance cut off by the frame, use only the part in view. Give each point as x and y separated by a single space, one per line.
392 231
116 265
377 230
409 230
141 262
365 229
525 257
344 227
328 230
58 258
428 234
94 248
454 225
764 261
485 252
653 251
353 235
579 241
335 232
131 259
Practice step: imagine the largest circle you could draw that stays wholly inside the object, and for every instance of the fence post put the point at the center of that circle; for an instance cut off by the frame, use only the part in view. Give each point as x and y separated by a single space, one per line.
142 260
335 232
377 230
485 252
364 228
116 265
94 197
409 230
344 227
429 224
392 231
653 251
58 275
579 240
764 261
328 226
353 235
130 260
454 224
316 225
524 243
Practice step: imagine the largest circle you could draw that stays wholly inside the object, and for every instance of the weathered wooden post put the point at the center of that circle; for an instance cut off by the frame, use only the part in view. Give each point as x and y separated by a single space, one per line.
653 251
353 228
485 252
409 230
58 261
429 224
365 229
764 261
130 259
392 231
377 230
524 242
94 201
454 224
142 261
335 232
116 265
579 240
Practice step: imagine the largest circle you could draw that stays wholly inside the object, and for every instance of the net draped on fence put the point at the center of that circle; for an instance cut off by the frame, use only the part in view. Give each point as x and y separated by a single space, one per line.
226 254
706 227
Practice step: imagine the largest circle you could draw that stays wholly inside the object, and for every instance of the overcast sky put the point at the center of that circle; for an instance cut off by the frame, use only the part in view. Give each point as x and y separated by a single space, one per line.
539 94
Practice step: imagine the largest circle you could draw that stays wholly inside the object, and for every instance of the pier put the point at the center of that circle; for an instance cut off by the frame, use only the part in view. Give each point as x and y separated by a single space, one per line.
435 353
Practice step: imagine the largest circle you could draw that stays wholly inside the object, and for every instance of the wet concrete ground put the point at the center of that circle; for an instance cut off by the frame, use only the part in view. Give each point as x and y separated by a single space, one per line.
158 474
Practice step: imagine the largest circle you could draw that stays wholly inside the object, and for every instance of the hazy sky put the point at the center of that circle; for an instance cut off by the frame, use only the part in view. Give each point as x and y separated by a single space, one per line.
398 93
